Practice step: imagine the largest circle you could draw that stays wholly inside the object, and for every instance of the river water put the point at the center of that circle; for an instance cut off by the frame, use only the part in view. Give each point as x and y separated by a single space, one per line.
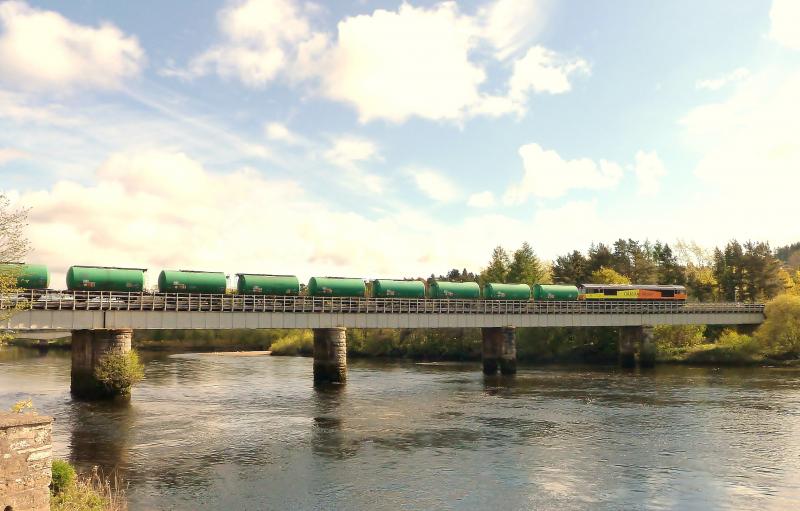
207 431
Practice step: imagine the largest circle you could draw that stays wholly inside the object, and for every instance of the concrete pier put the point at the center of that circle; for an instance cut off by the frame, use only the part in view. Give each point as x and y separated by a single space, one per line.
330 355
628 336
647 348
499 350
89 347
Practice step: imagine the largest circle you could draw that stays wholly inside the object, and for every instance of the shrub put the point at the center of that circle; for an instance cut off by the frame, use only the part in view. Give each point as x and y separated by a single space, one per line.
296 342
118 372
678 336
780 332
63 476
741 343
92 492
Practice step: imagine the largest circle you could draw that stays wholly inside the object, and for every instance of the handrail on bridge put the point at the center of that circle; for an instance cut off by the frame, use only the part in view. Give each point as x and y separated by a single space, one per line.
185 302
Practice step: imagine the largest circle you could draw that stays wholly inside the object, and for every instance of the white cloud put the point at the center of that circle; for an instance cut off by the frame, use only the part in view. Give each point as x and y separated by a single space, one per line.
717 83
42 49
412 62
433 184
649 170
481 200
349 152
549 175
8 154
509 25
280 132
543 70
390 65
182 220
785 18
259 38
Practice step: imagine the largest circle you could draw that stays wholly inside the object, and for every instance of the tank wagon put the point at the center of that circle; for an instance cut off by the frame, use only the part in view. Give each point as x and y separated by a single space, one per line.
495 291
185 281
105 278
29 276
457 290
259 284
336 286
385 288
551 292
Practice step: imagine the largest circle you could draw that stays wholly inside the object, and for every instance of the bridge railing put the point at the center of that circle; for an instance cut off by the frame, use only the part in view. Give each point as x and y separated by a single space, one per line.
183 302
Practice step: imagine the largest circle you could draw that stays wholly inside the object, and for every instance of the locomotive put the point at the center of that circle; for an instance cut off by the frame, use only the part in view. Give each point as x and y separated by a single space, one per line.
36 277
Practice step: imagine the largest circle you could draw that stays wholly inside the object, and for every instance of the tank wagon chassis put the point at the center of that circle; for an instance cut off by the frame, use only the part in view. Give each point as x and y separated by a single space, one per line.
179 302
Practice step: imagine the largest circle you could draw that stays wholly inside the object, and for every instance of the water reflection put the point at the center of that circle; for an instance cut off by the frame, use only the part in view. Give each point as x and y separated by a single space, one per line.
209 431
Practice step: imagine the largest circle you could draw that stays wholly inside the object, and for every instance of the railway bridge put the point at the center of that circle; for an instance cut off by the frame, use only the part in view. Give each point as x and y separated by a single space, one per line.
103 322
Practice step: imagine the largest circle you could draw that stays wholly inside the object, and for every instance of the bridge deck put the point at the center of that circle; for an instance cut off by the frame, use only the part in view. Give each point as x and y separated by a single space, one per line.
96 309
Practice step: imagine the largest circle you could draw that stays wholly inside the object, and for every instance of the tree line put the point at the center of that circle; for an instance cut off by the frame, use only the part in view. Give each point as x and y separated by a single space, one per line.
749 271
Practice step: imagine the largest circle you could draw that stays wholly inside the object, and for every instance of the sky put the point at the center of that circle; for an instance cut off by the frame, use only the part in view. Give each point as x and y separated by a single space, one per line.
394 139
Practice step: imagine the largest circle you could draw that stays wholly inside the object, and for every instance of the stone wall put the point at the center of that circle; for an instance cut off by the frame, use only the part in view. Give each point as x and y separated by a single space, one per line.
88 348
26 455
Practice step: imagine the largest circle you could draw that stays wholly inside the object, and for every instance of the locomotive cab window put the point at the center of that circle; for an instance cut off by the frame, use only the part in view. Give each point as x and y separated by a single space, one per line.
610 292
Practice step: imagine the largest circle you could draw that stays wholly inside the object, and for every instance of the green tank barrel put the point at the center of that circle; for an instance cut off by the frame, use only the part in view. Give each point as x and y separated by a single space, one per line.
253 284
455 290
29 276
100 278
181 281
548 292
336 286
497 291
384 288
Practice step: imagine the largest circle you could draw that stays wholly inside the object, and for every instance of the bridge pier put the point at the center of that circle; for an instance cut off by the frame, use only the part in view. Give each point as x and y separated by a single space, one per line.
89 347
330 355
629 338
499 350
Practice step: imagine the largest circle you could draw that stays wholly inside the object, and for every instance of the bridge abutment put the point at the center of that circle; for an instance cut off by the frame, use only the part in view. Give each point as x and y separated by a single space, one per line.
499 350
631 337
89 348
330 355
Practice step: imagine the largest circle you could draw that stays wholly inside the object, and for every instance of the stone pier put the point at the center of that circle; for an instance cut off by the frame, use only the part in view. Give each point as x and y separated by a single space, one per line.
631 337
330 355
26 455
89 347
499 350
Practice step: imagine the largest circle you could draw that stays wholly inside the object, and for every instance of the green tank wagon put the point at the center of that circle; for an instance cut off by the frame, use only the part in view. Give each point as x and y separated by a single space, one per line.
29 276
493 291
255 284
455 290
102 278
336 286
548 292
384 288
182 281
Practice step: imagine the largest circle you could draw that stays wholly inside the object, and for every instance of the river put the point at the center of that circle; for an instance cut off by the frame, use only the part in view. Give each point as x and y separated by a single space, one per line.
207 431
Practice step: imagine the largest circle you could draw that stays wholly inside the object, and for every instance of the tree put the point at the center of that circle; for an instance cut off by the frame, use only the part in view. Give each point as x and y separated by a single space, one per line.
525 267
781 330
572 268
497 270
608 276
600 256
14 247
670 270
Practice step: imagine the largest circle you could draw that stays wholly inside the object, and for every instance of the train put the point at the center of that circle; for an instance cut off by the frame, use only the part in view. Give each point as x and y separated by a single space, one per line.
132 280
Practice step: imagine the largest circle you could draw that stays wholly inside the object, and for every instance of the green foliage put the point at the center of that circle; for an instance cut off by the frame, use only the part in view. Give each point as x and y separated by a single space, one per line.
780 332
420 344
119 372
593 344
572 268
608 276
526 268
678 336
63 476
89 493
497 270
295 342
21 406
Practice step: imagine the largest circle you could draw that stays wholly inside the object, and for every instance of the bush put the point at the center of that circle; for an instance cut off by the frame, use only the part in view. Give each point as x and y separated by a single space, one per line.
63 476
780 332
678 336
119 372
90 493
296 342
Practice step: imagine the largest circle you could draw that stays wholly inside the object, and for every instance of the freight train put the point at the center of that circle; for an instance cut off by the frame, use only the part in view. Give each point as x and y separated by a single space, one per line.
101 278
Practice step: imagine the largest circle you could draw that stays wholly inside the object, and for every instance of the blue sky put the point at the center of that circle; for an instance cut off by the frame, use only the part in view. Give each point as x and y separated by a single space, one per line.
387 138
